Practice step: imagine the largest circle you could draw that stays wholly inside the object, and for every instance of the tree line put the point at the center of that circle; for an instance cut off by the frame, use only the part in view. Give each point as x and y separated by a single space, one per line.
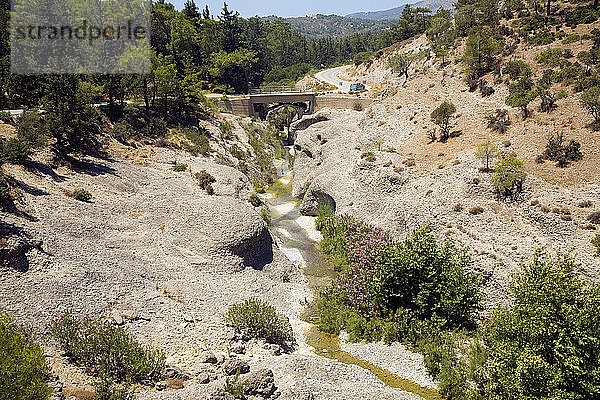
194 51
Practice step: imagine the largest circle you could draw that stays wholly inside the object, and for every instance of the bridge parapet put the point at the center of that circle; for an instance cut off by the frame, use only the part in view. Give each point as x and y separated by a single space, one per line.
280 90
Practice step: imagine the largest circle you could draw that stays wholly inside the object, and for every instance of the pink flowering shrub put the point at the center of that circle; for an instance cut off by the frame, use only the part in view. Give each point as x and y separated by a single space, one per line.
105 349
394 289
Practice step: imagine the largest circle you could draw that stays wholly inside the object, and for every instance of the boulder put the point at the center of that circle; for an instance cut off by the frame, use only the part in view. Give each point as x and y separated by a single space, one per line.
210 221
203 378
174 383
238 348
208 357
14 246
260 383
233 365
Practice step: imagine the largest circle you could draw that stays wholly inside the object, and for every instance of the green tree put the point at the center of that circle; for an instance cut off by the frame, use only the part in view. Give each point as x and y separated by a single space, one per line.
487 152
230 67
231 28
442 116
517 69
546 345
285 117
164 75
441 33
401 63
190 10
482 51
430 278
72 120
521 99
590 99
509 177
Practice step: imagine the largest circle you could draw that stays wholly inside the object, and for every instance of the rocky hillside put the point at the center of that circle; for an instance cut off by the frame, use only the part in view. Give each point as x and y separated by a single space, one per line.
318 26
155 253
410 181
394 14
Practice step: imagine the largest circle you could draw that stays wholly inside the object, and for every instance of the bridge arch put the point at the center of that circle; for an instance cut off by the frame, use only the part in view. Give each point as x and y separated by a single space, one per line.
299 107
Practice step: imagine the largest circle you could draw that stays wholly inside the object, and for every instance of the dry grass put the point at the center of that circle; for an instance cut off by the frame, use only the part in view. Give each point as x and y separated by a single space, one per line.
526 138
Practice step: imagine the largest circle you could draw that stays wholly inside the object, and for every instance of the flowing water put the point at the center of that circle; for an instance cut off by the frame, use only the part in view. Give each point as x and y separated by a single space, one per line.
298 240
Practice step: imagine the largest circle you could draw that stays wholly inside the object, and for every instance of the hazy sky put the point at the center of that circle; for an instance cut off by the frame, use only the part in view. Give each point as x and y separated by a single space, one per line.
294 8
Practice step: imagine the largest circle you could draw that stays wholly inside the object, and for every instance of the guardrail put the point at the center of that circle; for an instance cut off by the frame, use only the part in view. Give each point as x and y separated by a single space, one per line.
280 90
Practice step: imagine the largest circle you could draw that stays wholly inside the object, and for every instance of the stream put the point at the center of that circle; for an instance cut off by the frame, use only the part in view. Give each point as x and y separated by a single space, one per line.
299 241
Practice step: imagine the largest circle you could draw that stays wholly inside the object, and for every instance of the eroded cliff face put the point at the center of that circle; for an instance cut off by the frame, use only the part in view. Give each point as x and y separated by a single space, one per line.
404 185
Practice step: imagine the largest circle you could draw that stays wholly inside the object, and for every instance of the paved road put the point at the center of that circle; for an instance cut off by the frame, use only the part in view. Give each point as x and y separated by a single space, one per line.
331 76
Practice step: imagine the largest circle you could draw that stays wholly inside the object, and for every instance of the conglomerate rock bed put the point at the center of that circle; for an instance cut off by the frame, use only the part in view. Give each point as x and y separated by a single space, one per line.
158 255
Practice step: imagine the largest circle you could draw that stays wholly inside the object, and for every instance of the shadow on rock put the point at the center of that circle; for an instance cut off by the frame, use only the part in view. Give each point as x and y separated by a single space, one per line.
257 252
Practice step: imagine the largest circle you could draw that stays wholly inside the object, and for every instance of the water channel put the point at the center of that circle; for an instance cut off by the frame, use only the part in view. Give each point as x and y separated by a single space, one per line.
299 241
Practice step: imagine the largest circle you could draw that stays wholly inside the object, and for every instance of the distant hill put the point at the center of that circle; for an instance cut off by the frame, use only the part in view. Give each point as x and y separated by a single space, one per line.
395 14
317 26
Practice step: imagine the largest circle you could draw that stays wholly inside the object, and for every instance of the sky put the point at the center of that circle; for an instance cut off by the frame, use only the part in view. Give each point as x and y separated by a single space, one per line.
295 8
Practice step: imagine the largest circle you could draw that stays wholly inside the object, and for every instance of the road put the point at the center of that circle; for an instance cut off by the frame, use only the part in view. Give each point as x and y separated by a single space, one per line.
331 76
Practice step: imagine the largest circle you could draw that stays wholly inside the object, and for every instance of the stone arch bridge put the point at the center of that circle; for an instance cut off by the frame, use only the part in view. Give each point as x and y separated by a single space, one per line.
260 102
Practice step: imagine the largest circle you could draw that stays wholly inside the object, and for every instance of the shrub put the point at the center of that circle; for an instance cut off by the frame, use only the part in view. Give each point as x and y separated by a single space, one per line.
15 151
234 387
517 69
237 152
369 156
553 310
325 210
6 117
265 214
551 57
107 389
388 287
197 141
472 81
485 88
265 143
596 242
205 181
32 129
105 349
509 177
581 15
5 197
255 200
557 151
180 167
257 319
81 195
571 38
499 121
442 117
134 124
594 218
226 128
23 368
357 107
476 210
